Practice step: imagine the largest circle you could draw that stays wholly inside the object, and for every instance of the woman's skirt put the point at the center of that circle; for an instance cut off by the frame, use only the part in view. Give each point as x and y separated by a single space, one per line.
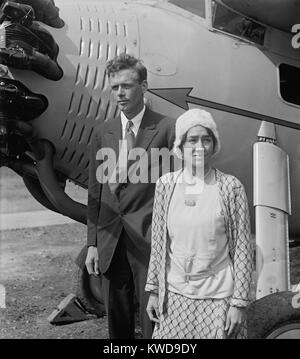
187 318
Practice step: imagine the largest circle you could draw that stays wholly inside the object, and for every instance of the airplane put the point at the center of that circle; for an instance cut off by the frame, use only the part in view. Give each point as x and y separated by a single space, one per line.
239 59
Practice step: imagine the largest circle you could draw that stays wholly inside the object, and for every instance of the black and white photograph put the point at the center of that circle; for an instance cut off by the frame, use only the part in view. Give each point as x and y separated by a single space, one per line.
150 171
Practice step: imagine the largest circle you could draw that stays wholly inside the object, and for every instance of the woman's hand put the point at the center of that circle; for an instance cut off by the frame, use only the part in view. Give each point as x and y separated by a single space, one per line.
152 308
234 320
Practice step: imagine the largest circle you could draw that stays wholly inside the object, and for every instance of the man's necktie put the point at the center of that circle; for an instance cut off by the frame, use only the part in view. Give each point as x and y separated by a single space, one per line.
129 135
120 173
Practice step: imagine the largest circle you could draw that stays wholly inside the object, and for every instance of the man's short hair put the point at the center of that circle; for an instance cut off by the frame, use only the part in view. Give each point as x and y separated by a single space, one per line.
125 62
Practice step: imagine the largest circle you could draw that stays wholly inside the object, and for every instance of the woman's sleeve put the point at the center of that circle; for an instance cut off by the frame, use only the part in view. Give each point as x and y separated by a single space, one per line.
156 239
243 254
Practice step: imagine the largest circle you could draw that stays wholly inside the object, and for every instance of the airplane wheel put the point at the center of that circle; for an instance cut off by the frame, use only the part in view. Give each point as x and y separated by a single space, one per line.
88 287
276 316
286 331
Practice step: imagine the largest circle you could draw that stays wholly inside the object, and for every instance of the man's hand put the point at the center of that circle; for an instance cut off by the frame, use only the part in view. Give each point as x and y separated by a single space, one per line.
234 320
92 261
152 308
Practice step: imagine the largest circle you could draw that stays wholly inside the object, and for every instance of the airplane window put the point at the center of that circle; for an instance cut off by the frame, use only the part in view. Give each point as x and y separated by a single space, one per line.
290 83
228 21
196 7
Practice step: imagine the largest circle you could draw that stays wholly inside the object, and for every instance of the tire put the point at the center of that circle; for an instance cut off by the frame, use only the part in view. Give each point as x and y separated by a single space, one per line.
88 288
274 317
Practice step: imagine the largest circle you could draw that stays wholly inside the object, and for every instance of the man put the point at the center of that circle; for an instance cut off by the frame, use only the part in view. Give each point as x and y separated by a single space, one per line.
119 214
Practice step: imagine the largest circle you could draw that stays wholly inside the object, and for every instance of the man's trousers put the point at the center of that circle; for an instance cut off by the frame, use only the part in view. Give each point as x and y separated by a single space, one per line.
124 284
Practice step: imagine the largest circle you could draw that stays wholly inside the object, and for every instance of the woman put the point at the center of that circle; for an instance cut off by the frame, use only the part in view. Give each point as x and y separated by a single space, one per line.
201 262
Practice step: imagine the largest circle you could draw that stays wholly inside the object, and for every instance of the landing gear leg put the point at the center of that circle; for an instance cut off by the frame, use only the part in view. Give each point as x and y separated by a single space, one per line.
272 207
273 314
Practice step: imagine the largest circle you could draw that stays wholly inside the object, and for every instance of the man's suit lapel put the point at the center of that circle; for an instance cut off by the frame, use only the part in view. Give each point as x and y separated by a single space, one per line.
114 135
146 132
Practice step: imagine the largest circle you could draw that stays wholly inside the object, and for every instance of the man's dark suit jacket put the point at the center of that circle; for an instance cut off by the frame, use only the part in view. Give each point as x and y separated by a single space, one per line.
131 206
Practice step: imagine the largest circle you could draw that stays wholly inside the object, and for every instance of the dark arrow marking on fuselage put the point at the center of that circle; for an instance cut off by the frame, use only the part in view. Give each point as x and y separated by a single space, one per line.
181 97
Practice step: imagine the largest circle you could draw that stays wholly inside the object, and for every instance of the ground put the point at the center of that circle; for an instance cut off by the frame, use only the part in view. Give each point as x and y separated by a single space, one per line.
38 273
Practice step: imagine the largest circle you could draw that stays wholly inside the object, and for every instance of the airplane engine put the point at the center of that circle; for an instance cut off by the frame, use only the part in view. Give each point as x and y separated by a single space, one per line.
52 81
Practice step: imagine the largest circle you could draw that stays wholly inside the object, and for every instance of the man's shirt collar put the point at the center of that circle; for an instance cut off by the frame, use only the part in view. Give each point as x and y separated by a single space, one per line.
136 120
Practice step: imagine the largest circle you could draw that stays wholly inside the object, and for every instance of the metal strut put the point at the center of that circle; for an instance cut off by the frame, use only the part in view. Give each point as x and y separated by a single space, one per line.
272 206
